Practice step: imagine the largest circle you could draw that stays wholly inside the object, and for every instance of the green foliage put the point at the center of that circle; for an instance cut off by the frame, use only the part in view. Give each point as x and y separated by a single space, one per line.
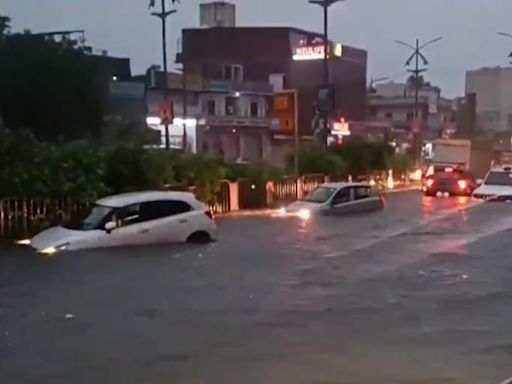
316 159
5 25
51 88
400 164
363 157
82 171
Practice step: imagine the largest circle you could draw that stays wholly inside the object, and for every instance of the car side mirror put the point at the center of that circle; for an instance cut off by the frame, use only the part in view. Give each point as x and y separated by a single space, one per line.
110 226
479 181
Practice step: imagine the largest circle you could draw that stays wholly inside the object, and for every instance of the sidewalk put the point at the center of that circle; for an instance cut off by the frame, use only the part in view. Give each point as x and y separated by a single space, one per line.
268 211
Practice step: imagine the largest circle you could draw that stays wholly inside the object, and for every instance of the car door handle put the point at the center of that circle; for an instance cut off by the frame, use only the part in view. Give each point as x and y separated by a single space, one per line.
183 221
145 230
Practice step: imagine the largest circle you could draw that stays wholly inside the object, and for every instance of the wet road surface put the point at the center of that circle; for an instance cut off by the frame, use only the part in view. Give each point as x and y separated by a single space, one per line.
419 293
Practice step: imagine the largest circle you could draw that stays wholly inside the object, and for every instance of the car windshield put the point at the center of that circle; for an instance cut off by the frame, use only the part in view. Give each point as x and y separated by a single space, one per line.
499 178
96 218
320 195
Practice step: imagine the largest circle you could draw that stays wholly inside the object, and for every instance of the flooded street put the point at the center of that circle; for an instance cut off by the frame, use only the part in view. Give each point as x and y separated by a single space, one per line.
419 293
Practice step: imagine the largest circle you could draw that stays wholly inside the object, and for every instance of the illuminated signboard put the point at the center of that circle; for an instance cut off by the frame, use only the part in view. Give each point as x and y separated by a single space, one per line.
340 128
314 50
284 111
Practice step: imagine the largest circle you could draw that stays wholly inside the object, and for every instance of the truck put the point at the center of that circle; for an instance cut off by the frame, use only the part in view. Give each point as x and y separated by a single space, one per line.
448 169
451 153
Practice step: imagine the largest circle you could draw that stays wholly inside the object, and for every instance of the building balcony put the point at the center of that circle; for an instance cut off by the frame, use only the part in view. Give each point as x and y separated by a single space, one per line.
235 121
248 87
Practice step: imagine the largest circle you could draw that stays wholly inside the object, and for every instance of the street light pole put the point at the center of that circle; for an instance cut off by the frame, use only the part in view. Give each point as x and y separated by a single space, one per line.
325 4
417 55
510 37
163 15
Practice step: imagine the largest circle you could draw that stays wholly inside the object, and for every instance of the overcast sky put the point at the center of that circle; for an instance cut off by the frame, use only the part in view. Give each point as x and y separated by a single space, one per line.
469 27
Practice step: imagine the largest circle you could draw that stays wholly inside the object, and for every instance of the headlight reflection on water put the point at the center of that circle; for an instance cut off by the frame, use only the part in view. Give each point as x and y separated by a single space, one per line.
304 214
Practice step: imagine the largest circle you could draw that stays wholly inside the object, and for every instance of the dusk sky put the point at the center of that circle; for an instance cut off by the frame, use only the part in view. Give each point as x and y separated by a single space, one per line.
469 27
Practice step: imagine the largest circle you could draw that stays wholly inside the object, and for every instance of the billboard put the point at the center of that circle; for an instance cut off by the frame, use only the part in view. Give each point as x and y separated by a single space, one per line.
285 110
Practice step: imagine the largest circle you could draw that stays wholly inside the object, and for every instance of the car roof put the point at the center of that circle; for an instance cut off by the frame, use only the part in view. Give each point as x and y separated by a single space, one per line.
501 168
125 199
346 184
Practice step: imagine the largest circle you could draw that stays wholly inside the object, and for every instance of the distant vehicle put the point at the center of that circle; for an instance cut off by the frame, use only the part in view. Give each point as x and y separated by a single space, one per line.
496 186
451 153
338 199
453 181
133 219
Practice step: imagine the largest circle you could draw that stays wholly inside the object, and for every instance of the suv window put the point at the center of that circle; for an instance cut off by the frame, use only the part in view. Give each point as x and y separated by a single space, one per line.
127 215
154 210
361 193
342 196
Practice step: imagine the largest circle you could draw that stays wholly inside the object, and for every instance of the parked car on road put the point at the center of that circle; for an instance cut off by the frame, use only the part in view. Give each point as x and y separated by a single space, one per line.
496 186
338 199
136 218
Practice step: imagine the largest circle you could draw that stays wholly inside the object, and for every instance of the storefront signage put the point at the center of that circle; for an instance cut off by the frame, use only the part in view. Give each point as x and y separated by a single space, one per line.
314 50
340 128
310 52
217 86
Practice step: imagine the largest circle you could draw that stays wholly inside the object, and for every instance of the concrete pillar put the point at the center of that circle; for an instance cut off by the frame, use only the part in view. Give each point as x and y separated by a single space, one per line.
390 183
299 188
233 197
327 179
269 188
241 145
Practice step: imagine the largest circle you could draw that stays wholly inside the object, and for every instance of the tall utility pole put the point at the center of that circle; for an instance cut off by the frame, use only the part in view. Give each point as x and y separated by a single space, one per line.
325 4
416 56
163 15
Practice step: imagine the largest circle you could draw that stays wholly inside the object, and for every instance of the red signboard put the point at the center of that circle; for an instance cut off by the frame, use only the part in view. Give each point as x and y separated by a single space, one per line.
166 111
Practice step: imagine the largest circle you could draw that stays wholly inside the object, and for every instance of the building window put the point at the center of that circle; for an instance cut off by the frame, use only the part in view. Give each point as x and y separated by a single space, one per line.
238 73
254 109
410 116
210 107
233 72
389 115
373 112
212 71
231 105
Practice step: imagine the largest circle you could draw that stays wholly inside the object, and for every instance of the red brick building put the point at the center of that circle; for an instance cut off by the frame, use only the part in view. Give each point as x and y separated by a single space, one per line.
290 58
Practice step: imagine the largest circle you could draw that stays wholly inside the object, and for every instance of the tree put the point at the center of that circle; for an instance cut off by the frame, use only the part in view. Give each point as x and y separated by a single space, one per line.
411 82
5 25
316 159
362 157
51 88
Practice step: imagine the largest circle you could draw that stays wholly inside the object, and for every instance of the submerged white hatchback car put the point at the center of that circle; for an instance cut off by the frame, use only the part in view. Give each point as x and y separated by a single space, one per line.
136 218
338 199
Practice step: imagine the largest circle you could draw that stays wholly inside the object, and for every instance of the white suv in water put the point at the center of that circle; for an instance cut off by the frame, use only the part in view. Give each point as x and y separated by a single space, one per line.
134 219
496 186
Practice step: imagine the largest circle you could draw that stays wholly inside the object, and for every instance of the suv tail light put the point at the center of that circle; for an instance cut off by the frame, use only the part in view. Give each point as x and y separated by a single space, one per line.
429 182
463 184
210 215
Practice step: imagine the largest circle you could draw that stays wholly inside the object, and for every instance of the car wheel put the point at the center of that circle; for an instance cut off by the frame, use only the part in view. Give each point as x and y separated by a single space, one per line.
200 237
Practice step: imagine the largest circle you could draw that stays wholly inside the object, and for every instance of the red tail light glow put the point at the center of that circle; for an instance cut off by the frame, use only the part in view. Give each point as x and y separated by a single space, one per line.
430 182
463 184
